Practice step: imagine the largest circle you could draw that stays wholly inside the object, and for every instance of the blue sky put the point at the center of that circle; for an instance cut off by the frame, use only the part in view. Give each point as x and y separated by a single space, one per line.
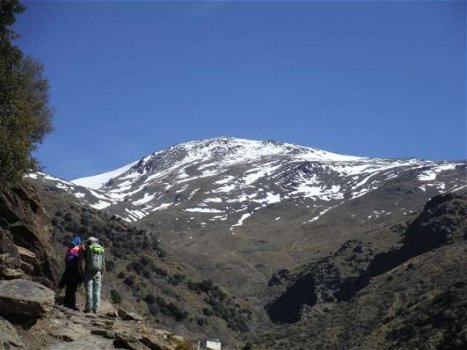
367 78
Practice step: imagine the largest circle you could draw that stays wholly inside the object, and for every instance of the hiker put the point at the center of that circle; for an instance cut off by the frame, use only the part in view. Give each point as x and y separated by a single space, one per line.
94 268
72 277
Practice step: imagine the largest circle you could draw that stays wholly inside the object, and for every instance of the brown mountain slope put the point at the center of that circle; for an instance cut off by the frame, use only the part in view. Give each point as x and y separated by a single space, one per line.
413 296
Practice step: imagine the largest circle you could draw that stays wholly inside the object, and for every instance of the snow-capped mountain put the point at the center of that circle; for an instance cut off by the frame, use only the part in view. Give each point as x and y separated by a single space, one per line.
223 177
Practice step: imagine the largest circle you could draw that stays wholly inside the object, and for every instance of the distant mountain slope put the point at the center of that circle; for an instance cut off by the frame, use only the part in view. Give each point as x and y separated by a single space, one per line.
226 176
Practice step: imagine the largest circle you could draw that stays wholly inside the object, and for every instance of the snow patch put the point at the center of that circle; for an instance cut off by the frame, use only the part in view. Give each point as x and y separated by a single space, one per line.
431 174
147 198
162 206
97 181
203 210
213 200
242 219
100 205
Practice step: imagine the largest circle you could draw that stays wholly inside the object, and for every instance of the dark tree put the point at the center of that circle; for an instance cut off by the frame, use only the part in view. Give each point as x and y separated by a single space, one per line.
25 114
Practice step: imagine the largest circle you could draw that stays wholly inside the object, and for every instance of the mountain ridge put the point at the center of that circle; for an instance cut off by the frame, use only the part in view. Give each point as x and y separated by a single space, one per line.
115 172
238 165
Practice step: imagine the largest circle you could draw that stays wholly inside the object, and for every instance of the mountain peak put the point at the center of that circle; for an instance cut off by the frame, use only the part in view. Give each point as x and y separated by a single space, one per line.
226 151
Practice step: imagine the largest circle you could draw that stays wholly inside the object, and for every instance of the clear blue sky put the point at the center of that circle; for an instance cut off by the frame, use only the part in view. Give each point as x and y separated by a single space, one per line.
369 78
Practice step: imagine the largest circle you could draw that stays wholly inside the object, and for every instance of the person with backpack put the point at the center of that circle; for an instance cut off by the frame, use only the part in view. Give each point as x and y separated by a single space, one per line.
94 268
72 277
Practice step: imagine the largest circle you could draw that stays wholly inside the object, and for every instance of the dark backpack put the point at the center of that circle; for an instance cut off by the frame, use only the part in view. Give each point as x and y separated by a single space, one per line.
94 257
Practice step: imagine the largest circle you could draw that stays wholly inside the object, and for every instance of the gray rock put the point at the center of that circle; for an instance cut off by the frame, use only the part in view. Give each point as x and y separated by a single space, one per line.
129 316
129 341
8 273
9 339
69 333
23 297
29 262
89 342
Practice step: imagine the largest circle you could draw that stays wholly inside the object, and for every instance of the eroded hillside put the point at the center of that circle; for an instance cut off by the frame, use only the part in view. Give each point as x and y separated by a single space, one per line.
412 296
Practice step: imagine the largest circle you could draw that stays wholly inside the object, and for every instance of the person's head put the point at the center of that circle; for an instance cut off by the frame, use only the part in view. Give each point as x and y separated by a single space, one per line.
75 241
91 240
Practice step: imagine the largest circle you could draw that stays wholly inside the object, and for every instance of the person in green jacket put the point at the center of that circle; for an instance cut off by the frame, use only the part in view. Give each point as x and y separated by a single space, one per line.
94 268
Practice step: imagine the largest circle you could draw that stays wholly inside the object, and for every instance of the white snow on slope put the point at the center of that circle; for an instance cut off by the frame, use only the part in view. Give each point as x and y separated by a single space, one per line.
101 205
430 175
162 206
245 151
253 175
97 181
213 200
321 213
203 210
147 198
242 219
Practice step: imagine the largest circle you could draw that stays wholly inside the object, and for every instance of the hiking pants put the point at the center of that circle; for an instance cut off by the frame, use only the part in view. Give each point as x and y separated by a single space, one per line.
93 284
70 294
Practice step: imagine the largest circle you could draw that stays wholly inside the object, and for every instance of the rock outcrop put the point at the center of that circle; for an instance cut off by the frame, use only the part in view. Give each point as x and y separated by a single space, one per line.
443 221
25 237
317 282
25 298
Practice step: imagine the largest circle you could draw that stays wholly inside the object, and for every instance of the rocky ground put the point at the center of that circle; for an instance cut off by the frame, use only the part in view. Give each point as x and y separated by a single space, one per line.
32 320
65 329
30 316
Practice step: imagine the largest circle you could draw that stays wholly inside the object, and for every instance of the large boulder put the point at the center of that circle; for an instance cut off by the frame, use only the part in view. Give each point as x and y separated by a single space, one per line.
26 298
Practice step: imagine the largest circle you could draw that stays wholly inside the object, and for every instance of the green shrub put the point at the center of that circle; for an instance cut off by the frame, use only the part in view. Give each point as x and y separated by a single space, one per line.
129 281
150 299
109 265
207 312
115 296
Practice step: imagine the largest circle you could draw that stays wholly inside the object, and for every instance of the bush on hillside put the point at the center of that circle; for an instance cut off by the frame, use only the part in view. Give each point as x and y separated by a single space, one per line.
109 265
115 296
129 281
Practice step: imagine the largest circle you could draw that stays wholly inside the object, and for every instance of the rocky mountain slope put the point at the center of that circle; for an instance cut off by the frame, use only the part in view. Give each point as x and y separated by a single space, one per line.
412 296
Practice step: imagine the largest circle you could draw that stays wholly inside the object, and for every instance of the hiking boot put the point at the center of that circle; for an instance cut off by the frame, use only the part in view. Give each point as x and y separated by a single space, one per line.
86 311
